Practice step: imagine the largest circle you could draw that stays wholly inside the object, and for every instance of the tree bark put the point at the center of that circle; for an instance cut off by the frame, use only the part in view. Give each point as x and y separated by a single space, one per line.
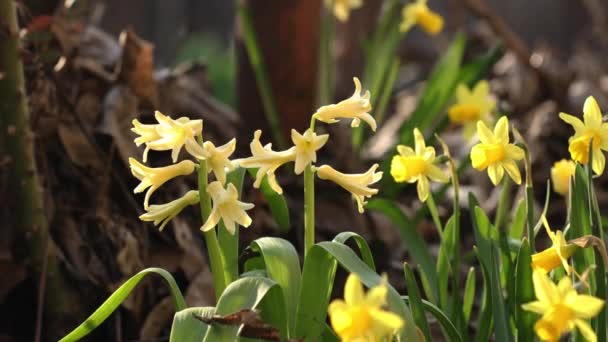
288 35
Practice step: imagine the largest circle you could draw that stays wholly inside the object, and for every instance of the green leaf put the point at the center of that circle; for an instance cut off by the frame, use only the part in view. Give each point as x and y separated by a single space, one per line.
416 302
276 203
317 282
580 224
469 295
186 328
229 243
446 251
486 237
475 70
364 250
108 307
484 320
282 265
518 224
438 91
524 293
248 294
415 245
449 330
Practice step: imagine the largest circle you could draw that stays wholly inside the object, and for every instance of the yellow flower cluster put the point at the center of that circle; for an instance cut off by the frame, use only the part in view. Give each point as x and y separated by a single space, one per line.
170 134
305 147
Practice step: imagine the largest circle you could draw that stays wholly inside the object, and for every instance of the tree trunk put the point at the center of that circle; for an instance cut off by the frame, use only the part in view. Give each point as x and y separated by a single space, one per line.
288 35
26 217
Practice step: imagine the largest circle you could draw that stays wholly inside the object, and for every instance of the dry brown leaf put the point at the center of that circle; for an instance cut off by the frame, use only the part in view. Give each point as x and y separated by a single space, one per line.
137 67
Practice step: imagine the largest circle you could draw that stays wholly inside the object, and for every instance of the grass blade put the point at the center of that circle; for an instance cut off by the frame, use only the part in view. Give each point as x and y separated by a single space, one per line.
416 302
186 328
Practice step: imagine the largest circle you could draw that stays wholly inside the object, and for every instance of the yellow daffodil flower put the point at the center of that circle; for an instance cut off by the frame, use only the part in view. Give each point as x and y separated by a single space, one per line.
419 13
417 165
170 135
267 161
356 184
562 308
163 213
341 8
356 107
472 106
154 177
495 153
591 128
555 255
217 159
360 316
306 145
226 207
561 173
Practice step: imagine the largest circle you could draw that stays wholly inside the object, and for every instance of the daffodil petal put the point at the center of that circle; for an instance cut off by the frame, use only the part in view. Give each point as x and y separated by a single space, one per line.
501 130
495 172
573 121
353 290
585 306
592 113
599 161
544 289
423 188
586 330
511 167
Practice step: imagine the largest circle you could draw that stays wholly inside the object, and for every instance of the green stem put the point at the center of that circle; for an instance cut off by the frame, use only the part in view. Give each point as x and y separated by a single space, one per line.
430 202
213 247
325 61
261 75
501 210
309 208
309 202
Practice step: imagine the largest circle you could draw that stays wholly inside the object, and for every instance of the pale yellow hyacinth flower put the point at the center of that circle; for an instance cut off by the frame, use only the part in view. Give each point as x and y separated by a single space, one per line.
495 153
472 106
154 177
419 13
217 159
356 184
361 317
555 255
267 161
417 166
341 8
307 145
226 207
171 135
561 173
163 213
562 308
591 128
356 107
147 134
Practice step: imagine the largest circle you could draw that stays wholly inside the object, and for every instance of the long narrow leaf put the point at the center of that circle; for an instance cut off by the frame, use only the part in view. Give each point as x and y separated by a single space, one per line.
317 282
114 301
282 265
416 302
364 250
415 245
450 331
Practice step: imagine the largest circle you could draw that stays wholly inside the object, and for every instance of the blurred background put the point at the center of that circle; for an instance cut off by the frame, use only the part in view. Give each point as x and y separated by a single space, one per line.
94 66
